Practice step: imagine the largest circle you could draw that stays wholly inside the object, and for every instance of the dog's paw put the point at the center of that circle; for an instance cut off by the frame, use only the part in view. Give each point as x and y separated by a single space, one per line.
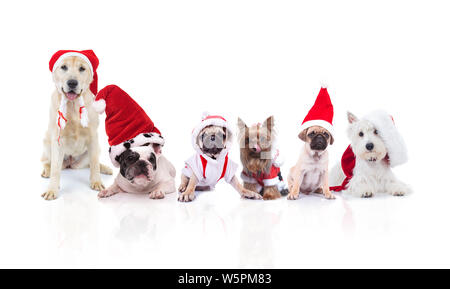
186 197
398 194
182 188
50 195
156 195
366 195
46 172
330 196
271 193
97 186
293 196
105 193
251 195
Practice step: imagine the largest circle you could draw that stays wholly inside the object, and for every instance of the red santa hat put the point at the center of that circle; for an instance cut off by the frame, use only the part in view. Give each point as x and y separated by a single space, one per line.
126 124
397 153
321 113
92 61
87 55
216 120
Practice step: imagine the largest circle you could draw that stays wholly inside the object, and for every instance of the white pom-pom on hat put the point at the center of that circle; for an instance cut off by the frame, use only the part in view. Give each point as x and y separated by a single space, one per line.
323 84
205 114
99 106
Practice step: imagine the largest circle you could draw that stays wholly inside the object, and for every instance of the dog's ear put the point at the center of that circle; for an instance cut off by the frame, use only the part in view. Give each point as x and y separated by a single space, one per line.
302 134
269 123
241 124
331 139
351 117
157 149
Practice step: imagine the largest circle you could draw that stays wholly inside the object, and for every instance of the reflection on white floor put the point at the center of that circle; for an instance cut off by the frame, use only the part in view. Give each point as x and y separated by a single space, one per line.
220 230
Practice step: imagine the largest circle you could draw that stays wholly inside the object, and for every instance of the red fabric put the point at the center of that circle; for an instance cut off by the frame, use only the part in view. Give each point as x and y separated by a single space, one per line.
204 163
224 170
214 116
92 59
273 173
125 119
347 164
322 108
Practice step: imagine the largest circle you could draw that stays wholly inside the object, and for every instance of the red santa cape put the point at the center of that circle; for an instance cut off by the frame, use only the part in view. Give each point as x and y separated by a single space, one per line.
395 145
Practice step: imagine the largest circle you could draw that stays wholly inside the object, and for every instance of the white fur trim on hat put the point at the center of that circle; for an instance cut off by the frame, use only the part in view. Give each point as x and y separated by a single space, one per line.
139 140
215 120
69 54
324 84
319 122
392 138
99 106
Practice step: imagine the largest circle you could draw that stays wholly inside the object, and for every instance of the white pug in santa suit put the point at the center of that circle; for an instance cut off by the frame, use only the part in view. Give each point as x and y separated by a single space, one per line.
212 140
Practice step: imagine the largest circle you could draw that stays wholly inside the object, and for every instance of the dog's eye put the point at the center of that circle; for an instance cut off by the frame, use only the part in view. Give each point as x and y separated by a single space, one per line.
375 132
326 135
131 159
361 134
64 67
311 134
81 69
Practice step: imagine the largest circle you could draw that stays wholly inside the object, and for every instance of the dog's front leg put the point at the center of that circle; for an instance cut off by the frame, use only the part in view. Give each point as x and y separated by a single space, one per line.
295 179
94 163
359 187
112 190
189 194
326 187
394 186
184 183
249 194
57 158
163 189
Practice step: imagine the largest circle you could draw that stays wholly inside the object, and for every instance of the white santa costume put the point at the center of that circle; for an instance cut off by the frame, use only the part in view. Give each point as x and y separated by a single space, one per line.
210 171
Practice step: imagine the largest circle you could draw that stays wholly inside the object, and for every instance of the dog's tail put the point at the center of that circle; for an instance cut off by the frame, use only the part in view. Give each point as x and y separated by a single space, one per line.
336 176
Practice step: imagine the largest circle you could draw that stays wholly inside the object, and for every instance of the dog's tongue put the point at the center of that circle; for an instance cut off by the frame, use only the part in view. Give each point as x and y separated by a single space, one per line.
71 95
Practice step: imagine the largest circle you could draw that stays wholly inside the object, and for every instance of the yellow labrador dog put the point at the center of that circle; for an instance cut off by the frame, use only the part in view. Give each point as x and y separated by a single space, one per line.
71 139
310 174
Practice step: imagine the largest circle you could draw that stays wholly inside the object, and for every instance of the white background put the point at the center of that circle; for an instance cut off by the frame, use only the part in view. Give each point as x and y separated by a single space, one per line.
237 58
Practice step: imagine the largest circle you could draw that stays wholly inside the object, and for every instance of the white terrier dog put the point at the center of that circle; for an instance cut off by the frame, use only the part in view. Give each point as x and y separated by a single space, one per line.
376 147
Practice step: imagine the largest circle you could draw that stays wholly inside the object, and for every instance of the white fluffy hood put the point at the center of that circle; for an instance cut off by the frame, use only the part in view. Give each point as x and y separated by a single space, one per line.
216 120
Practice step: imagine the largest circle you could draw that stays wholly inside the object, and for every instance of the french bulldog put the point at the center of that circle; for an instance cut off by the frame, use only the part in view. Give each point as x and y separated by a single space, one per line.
143 170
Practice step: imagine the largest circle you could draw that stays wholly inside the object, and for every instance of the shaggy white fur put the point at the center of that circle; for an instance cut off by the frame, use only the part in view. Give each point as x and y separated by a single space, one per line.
378 147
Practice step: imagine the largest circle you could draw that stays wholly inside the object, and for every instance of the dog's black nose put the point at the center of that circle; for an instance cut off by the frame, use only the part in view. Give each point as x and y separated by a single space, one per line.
369 146
72 83
141 163
213 138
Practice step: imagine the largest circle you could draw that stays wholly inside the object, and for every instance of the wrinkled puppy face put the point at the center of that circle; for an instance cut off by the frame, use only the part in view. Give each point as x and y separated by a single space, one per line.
256 141
317 137
138 165
72 77
212 140
365 141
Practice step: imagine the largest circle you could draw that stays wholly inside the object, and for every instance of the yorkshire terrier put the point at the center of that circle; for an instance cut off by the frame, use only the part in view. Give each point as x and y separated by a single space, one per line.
260 160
